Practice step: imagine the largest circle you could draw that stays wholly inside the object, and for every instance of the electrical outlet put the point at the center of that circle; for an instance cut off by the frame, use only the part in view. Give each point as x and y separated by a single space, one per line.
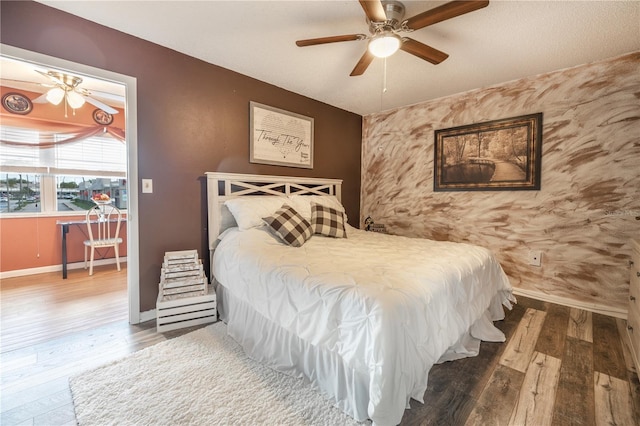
535 257
147 186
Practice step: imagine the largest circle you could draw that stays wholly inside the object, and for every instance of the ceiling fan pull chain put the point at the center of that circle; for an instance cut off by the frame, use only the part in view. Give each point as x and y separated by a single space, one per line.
384 83
384 75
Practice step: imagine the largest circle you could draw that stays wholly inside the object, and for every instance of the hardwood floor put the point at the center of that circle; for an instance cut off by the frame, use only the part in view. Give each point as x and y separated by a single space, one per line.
36 308
52 329
559 366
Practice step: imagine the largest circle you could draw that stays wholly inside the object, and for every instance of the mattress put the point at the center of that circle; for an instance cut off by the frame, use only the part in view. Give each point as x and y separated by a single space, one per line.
377 310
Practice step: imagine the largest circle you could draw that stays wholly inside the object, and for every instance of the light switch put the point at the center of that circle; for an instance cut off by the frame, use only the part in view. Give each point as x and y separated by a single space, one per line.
147 186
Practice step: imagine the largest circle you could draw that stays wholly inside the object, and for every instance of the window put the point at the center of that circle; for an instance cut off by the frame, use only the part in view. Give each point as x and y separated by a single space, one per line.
20 192
47 171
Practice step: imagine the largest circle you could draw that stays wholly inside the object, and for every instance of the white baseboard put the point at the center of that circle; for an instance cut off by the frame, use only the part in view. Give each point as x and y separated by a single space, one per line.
148 315
592 307
56 268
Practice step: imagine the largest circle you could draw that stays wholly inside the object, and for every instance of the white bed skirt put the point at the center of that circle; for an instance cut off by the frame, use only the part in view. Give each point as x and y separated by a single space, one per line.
272 345
347 388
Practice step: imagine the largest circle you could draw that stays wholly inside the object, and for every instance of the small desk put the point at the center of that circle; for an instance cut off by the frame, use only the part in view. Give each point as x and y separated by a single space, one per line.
65 230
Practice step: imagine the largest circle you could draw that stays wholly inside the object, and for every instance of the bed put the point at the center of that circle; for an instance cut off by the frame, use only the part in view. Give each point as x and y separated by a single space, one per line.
362 318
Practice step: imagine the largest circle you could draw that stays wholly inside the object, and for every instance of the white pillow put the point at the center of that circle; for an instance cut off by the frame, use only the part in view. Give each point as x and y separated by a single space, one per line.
248 211
302 204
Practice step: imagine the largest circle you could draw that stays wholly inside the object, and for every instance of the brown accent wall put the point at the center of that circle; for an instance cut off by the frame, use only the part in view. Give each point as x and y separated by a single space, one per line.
193 117
586 210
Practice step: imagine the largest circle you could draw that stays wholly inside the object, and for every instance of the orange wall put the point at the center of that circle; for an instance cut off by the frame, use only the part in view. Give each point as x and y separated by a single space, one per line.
48 114
34 242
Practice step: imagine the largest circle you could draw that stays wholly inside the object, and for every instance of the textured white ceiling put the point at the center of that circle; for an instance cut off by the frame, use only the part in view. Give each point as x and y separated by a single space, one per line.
505 41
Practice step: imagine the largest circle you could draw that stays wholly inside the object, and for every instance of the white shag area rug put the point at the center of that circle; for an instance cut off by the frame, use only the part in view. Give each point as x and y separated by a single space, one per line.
201 378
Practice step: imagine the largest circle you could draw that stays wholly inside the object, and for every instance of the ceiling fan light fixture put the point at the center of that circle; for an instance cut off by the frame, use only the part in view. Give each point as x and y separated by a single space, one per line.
75 99
384 45
55 95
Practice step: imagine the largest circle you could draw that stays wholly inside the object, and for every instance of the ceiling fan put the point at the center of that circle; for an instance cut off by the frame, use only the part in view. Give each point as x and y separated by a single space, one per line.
386 23
66 87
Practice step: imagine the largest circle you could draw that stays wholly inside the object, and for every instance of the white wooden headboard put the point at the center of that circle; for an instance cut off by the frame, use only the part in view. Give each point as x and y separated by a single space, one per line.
222 186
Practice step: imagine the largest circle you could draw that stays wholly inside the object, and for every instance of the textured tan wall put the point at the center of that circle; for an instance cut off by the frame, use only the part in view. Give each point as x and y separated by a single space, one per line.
584 214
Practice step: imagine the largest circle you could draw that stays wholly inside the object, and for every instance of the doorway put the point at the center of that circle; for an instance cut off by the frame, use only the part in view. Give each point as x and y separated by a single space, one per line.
131 184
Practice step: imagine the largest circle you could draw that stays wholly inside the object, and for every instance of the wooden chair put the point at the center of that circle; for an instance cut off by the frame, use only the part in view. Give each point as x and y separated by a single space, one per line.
105 218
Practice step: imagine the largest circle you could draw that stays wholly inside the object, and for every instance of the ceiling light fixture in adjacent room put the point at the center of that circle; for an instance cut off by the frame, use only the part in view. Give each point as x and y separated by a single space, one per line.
66 89
71 98
55 96
74 99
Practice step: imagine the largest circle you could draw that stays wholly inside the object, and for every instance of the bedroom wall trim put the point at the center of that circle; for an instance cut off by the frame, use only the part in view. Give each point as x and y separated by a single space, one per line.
571 303
148 315
131 119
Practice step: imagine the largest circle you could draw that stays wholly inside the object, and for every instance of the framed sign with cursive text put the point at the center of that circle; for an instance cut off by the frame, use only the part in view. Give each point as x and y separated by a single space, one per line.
279 137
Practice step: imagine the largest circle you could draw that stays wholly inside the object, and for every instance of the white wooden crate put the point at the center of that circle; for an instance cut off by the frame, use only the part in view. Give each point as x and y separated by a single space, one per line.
184 255
182 275
192 270
173 312
184 288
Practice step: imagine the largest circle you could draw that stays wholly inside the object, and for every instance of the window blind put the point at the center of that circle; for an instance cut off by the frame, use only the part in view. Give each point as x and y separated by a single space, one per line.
96 155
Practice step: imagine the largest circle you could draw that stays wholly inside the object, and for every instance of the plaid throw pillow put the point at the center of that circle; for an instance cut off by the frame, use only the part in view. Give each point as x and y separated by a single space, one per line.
287 224
327 221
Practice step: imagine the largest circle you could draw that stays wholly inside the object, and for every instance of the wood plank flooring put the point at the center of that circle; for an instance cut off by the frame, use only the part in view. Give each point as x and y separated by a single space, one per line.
36 308
559 366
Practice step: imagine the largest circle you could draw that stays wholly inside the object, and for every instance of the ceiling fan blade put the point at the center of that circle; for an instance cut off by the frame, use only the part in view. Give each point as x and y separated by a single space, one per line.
101 95
332 39
42 99
51 77
374 10
4 80
444 12
423 51
101 105
8 81
362 64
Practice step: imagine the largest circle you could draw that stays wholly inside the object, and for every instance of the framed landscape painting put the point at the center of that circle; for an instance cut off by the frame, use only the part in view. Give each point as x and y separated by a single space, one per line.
492 156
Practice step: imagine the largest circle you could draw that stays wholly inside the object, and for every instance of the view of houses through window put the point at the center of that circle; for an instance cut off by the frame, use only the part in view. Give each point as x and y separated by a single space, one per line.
23 192
61 177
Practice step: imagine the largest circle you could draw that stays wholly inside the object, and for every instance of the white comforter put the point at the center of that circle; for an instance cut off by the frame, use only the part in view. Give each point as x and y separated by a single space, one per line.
389 306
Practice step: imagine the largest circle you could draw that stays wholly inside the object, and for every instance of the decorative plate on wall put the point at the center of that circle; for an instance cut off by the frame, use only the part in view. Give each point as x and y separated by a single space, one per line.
102 117
17 103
